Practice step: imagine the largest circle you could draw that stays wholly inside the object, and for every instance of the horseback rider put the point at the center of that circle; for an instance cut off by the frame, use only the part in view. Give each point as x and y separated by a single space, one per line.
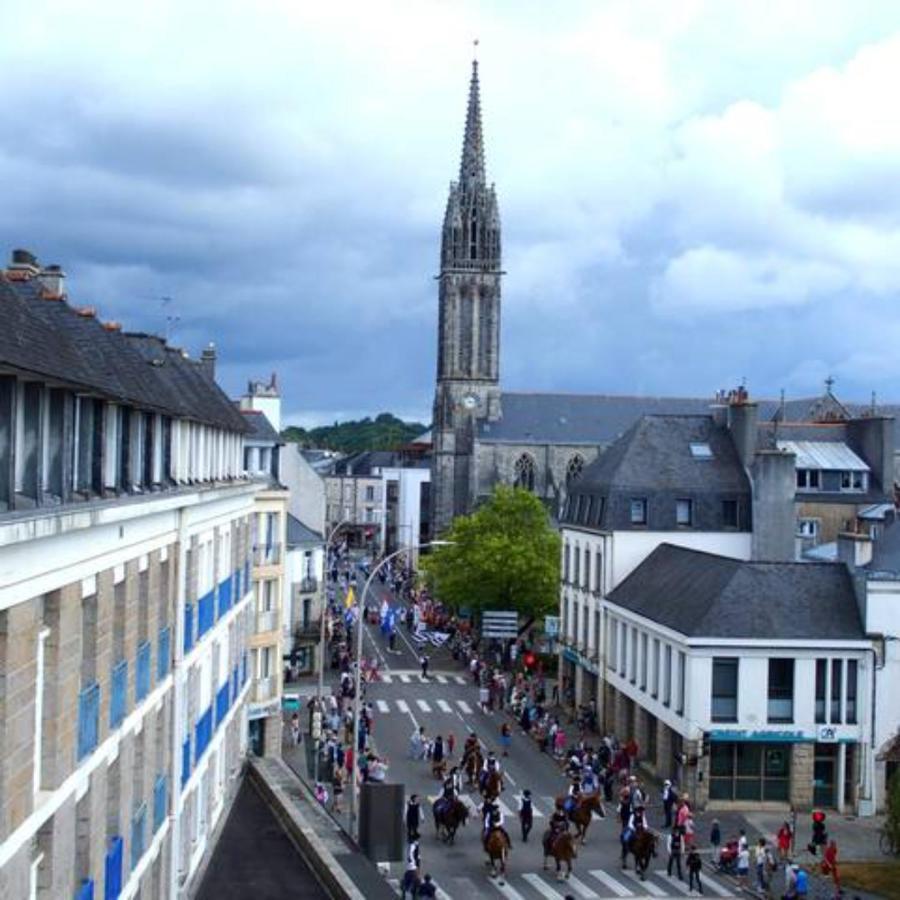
637 821
589 780
452 785
493 821
491 764
573 794
559 822
470 747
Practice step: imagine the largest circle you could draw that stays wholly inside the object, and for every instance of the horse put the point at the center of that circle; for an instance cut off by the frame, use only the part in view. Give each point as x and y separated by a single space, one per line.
583 812
562 848
497 850
642 846
450 815
472 765
490 784
439 769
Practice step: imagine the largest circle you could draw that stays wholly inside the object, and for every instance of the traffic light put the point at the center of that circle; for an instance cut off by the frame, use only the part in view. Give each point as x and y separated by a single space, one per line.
819 835
529 659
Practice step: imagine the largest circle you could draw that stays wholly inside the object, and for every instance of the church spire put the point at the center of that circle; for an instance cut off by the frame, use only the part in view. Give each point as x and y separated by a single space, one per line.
471 168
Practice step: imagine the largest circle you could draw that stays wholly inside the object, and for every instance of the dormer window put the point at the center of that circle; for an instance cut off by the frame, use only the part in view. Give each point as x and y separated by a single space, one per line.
854 481
808 479
684 513
638 511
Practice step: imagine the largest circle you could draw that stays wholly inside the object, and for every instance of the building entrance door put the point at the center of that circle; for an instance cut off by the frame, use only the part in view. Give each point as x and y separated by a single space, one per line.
824 775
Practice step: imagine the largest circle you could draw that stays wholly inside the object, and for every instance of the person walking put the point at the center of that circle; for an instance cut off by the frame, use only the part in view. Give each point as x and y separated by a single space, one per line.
675 847
760 858
669 799
411 875
413 818
451 744
830 866
526 814
337 789
715 840
784 838
505 738
423 662
743 865
437 751
693 866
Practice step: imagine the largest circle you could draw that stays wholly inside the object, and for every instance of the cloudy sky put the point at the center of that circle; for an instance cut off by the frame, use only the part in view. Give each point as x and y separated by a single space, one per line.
692 192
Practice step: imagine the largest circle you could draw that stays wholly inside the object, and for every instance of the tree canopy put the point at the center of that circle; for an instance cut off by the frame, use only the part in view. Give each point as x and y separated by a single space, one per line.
385 432
505 555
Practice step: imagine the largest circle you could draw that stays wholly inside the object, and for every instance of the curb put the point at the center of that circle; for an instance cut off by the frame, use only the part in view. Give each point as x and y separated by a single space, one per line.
265 775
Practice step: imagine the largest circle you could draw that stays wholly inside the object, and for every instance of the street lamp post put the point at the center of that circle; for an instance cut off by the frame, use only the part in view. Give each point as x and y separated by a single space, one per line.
354 788
322 611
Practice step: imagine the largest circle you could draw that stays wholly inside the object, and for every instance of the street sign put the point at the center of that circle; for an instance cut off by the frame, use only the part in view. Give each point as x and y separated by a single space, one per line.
551 626
500 624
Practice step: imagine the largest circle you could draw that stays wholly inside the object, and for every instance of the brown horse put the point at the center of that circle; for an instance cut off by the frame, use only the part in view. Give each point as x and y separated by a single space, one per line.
490 785
642 846
452 817
583 813
439 769
497 849
472 766
562 849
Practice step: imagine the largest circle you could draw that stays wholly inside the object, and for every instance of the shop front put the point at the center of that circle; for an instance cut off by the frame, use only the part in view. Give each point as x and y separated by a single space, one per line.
752 772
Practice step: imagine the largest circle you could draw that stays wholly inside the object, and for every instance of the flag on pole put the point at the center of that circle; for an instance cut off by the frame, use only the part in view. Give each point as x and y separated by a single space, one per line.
350 599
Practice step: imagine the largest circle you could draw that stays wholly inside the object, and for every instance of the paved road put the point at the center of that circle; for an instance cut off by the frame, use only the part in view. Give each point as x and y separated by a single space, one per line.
447 703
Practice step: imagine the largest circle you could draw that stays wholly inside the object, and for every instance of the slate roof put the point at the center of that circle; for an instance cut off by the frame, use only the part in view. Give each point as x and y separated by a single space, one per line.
298 533
50 339
702 595
598 419
653 460
261 428
362 464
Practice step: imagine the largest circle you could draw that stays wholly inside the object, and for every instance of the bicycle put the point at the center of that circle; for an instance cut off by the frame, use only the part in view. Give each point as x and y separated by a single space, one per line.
888 843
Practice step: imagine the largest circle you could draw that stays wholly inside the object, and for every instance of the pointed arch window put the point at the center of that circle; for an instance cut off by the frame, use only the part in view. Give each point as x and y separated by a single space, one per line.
523 472
574 468
473 234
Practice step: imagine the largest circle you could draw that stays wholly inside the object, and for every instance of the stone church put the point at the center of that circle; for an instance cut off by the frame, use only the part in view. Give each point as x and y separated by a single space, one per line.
483 435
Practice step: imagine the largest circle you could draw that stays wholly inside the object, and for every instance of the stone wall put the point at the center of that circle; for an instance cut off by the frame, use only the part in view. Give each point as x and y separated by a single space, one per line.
802 765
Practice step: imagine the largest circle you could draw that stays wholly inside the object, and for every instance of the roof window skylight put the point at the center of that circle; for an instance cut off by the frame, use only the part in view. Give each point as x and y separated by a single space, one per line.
701 451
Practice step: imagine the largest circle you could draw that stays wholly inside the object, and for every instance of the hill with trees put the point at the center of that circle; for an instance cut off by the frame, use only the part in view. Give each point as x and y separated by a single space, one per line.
384 432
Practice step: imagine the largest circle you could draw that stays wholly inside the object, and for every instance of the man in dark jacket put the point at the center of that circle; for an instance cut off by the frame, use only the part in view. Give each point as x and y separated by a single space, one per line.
413 818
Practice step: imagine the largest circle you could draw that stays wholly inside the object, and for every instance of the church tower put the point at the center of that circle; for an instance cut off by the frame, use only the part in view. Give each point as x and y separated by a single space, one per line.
468 359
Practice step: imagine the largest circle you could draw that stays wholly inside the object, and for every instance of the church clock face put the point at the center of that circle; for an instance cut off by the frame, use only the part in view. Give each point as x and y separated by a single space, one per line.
470 401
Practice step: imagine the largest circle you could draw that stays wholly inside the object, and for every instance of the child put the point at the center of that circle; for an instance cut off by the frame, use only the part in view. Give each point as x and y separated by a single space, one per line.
743 864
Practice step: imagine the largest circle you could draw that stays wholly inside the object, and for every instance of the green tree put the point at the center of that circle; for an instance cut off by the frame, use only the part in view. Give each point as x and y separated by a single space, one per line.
503 556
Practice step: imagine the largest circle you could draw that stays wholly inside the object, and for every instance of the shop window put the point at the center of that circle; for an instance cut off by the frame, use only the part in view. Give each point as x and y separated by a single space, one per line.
781 690
749 772
724 689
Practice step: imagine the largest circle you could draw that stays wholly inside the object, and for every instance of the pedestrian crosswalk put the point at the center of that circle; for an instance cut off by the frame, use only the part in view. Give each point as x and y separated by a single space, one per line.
449 707
401 677
593 884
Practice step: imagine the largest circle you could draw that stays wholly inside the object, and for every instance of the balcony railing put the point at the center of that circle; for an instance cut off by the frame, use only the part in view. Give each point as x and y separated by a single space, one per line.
309 585
203 734
142 672
188 627
118 698
223 704
311 628
88 719
163 653
206 614
160 799
113 869
267 554
138 834
265 689
266 621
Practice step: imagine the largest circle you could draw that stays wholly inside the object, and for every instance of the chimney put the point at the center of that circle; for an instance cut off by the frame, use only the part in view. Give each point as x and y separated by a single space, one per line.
774 483
52 278
112 326
872 437
854 550
23 265
741 419
208 361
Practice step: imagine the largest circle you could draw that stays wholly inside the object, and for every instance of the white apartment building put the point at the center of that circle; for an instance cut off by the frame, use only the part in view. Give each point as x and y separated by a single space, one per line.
125 602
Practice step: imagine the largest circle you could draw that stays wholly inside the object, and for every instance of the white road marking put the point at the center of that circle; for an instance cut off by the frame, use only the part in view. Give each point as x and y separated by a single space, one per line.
459 679
541 886
647 886
387 679
680 886
464 707
423 705
506 889
441 679
444 706
719 889
582 889
383 706
618 889
402 706
405 679
506 810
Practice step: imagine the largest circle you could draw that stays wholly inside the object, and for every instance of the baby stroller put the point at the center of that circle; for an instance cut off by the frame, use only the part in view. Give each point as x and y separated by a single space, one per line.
728 856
